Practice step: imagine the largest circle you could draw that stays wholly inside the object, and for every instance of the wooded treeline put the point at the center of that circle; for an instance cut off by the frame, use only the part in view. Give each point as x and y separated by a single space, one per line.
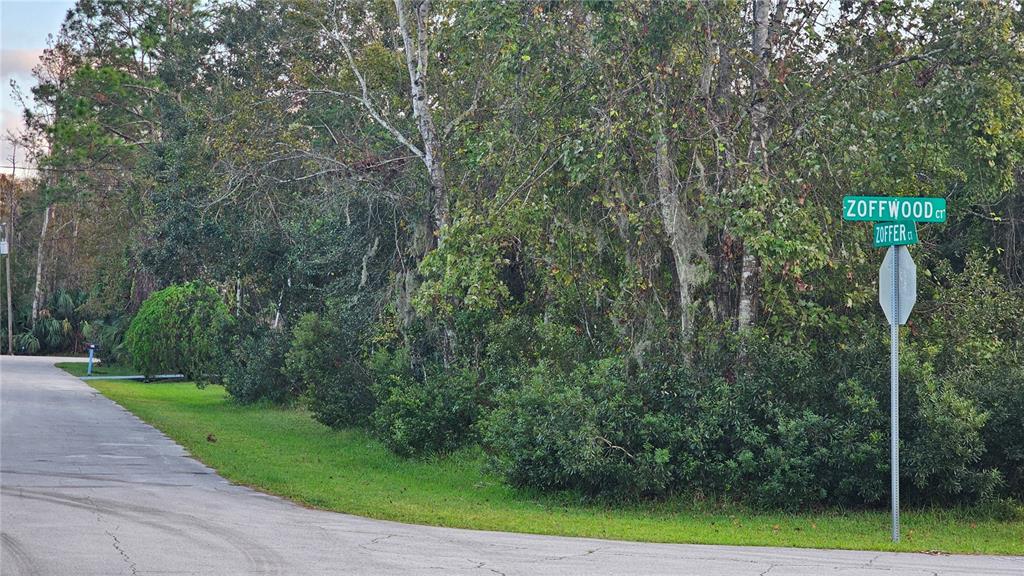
602 240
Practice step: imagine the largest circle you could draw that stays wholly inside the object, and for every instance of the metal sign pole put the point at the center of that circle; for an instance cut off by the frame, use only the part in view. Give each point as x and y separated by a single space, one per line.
895 226
894 403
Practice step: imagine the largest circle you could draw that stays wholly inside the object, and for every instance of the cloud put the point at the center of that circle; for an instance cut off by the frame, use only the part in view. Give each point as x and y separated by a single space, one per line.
18 62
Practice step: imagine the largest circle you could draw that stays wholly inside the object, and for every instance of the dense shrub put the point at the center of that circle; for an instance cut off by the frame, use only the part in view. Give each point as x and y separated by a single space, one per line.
418 416
255 372
56 329
944 448
66 322
182 328
324 359
998 390
756 420
971 350
577 431
51 332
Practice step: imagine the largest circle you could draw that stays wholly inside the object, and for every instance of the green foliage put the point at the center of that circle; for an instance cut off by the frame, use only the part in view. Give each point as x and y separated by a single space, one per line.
416 417
27 343
109 336
324 360
182 328
255 373
943 452
51 332
616 188
569 432
59 327
756 421
971 343
998 391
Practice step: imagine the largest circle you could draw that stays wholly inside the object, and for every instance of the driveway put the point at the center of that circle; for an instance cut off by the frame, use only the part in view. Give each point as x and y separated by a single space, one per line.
89 489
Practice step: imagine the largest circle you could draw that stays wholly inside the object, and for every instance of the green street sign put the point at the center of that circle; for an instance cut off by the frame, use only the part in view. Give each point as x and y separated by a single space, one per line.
894 234
890 209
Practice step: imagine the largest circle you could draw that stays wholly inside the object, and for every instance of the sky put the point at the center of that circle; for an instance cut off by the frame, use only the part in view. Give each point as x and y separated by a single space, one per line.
24 28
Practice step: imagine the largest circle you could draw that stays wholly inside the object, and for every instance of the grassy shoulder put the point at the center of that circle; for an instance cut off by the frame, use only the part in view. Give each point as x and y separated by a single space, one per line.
285 452
98 369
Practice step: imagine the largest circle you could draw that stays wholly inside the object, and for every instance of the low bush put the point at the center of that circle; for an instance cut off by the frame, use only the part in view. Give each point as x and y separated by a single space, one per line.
583 431
182 328
27 343
324 359
255 372
997 388
755 420
434 414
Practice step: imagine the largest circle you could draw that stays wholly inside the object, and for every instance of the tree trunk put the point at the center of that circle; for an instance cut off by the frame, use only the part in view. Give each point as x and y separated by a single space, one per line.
747 314
9 236
10 311
757 152
280 302
238 296
416 60
37 294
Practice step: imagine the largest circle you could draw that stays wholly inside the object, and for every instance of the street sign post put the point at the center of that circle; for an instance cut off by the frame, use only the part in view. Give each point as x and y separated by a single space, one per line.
894 234
895 228
894 209
897 293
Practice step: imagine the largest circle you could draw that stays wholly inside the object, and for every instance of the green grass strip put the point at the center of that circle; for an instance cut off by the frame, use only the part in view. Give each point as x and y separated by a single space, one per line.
98 369
285 452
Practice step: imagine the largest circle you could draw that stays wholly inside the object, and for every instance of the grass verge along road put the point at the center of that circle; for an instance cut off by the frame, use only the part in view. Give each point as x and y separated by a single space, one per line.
98 369
283 451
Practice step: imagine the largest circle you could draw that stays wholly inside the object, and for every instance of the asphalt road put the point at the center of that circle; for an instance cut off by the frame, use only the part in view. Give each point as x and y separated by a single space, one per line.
89 489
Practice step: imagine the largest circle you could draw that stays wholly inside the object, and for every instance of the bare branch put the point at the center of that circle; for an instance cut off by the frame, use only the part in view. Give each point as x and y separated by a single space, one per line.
367 103
609 444
927 56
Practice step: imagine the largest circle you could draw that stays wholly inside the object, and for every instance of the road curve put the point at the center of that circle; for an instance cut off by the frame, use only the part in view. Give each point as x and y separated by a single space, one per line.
86 488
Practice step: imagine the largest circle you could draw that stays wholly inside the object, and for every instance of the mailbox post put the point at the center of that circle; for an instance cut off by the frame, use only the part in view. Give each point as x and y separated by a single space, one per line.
92 353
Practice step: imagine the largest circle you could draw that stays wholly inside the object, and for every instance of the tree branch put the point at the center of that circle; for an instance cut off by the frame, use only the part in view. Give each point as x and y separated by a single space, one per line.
904 60
367 103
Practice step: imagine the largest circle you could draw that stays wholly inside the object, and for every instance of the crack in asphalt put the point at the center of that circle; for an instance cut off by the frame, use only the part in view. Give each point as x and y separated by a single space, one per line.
376 540
482 565
122 552
262 559
117 543
566 557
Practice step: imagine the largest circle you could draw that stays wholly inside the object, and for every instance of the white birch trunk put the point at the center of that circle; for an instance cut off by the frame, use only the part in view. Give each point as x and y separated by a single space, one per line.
416 59
757 152
37 294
